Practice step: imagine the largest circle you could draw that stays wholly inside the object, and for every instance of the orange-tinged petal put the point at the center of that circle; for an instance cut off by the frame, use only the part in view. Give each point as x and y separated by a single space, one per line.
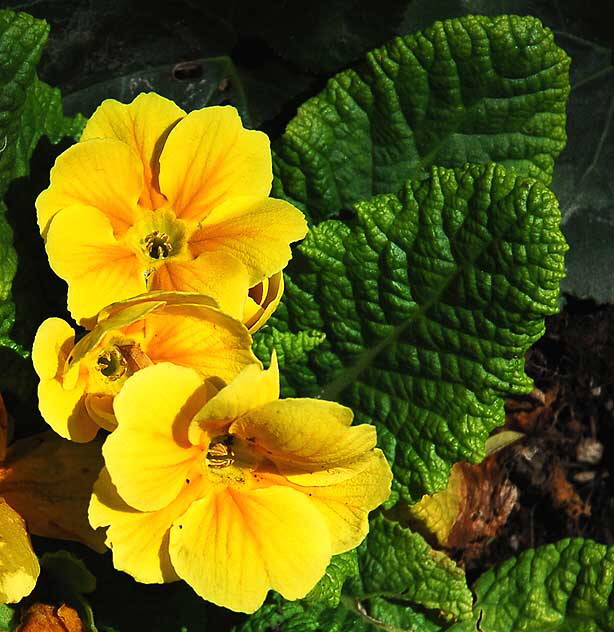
208 158
257 232
144 125
19 567
253 387
53 342
64 410
83 250
155 298
307 438
100 410
139 540
262 301
232 547
49 481
345 505
218 275
103 173
199 337
148 456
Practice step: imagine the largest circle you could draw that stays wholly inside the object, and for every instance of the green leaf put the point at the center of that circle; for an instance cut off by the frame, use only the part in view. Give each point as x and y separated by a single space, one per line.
290 347
292 352
429 300
474 89
30 109
375 615
8 620
562 587
328 590
397 563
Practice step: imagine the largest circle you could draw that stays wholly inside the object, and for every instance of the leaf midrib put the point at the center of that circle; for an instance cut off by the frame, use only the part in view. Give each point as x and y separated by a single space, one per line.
350 374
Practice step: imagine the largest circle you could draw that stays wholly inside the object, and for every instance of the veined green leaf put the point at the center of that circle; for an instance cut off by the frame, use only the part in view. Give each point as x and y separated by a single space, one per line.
328 590
429 300
373 615
468 90
562 587
397 563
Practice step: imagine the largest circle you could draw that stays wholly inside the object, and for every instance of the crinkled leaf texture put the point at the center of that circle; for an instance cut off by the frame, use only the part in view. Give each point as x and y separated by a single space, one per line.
562 587
328 590
29 109
292 353
469 90
429 300
375 615
397 563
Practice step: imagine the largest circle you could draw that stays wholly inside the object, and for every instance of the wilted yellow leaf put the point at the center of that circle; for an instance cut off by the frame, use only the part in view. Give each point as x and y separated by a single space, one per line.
18 565
49 481
438 512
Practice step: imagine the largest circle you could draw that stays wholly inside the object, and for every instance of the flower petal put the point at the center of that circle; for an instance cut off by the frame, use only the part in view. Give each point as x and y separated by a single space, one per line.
220 276
144 125
307 438
253 387
103 173
208 158
139 540
257 232
19 567
99 270
148 456
232 547
52 344
64 410
199 337
268 293
345 505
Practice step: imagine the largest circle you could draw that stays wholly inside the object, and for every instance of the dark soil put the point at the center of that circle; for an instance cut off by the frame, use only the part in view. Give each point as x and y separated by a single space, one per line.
561 468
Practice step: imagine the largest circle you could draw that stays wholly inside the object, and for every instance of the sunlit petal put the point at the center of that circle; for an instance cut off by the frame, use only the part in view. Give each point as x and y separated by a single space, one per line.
83 250
144 125
148 455
139 540
209 158
103 173
257 232
233 546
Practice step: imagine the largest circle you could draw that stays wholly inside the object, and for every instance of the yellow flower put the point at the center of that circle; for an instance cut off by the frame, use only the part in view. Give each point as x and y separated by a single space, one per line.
19 567
236 492
262 301
152 198
78 382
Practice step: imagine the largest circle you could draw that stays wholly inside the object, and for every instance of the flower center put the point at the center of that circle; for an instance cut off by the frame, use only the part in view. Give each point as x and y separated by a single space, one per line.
117 360
158 245
220 453
111 363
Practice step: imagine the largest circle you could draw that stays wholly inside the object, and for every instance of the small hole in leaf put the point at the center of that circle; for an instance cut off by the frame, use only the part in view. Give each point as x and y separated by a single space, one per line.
187 71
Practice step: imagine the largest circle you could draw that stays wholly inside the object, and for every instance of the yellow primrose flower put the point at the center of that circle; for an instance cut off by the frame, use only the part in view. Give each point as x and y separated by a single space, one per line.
152 198
236 492
78 382
262 301
19 567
